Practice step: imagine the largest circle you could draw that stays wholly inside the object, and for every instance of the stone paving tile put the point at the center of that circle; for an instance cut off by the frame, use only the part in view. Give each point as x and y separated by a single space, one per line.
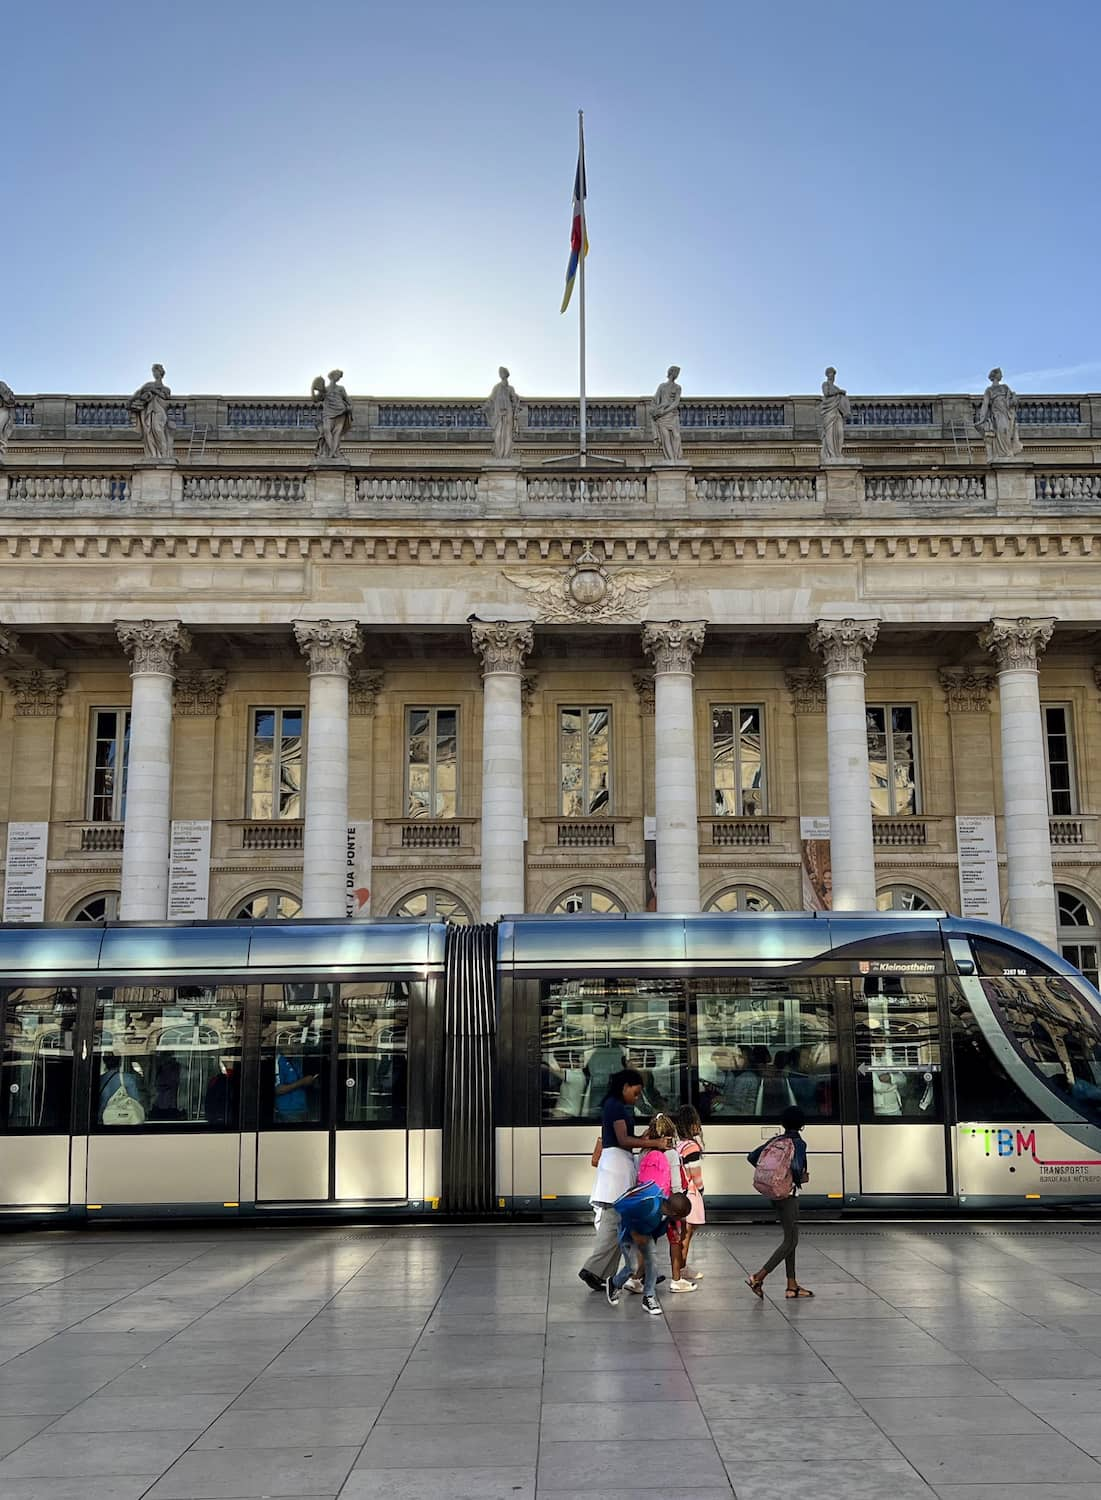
298 1473
990 1460
517 1483
399 1446
138 1413
853 1480
59 1454
675 1467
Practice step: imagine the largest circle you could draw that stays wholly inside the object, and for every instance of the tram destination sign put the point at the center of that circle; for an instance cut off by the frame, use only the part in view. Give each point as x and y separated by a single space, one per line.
897 966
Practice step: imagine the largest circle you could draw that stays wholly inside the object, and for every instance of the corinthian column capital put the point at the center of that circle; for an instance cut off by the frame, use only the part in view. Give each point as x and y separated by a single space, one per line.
966 689
672 645
152 645
9 641
1016 645
843 644
807 687
502 644
37 692
197 694
328 645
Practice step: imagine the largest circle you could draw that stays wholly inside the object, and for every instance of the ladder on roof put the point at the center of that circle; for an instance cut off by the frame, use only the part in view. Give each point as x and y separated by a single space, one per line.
196 447
960 435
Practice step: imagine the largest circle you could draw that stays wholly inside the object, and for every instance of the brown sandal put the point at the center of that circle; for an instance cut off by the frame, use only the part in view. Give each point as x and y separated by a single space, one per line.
797 1291
756 1287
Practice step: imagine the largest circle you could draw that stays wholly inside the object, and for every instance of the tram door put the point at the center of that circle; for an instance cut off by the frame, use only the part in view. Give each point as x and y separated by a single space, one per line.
900 1048
332 1095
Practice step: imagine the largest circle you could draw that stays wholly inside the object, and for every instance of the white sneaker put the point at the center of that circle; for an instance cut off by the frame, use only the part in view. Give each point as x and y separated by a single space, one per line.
683 1286
652 1306
633 1284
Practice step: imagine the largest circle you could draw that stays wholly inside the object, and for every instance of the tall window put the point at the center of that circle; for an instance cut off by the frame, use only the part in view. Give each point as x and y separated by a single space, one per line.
1079 933
101 908
1059 754
431 762
741 898
433 906
737 759
892 759
275 770
107 773
268 906
586 899
584 760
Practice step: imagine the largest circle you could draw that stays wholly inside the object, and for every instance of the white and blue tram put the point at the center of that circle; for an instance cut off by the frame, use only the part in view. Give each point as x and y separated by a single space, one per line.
407 1068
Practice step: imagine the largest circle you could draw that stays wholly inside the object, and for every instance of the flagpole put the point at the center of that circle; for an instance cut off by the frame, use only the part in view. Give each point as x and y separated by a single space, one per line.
583 434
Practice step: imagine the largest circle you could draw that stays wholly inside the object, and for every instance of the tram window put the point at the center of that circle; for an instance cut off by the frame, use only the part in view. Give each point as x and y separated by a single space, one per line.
898 1055
591 1028
374 1052
1056 1031
984 1090
167 1056
765 1044
36 1069
296 1030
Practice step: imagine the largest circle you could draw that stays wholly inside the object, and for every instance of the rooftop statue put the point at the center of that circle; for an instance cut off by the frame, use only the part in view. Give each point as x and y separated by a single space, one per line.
835 410
664 412
335 418
997 418
7 417
149 408
503 414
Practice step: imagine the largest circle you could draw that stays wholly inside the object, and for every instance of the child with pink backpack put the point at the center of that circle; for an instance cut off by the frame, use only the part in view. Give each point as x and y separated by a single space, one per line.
779 1170
665 1168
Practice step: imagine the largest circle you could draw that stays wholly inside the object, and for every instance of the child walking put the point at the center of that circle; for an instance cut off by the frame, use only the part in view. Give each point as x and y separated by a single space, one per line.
664 1168
689 1129
780 1176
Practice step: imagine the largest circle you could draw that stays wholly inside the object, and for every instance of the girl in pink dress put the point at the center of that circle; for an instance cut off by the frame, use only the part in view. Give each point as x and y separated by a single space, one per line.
664 1168
690 1151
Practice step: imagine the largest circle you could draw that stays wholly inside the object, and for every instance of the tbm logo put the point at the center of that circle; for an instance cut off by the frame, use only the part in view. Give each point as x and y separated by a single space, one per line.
1004 1143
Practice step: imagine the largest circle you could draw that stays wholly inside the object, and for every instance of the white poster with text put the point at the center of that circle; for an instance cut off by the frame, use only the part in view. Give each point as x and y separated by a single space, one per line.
977 853
189 870
25 872
357 877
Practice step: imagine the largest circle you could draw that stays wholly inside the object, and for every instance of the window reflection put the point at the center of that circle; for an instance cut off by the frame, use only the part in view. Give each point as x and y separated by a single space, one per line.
763 1045
591 1028
898 1061
374 1046
36 1070
295 1036
167 1056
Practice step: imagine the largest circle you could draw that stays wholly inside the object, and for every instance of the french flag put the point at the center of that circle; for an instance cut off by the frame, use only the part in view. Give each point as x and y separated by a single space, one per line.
576 232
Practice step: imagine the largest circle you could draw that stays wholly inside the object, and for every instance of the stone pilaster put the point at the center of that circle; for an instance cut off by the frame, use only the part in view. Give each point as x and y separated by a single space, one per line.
843 645
198 694
807 687
328 646
364 686
672 646
502 646
153 647
1016 646
644 687
966 689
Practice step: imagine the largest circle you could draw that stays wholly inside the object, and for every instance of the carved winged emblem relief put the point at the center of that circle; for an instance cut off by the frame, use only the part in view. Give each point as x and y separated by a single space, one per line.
587 590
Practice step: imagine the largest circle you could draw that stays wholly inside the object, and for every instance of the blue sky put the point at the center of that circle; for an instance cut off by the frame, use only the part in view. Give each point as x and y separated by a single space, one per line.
253 193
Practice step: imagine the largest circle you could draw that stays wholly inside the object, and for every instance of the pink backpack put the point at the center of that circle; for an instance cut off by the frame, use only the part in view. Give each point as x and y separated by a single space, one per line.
772 1176
654 1168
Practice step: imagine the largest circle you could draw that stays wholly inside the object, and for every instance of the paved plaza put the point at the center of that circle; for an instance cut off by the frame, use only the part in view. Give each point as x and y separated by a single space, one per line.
960 1361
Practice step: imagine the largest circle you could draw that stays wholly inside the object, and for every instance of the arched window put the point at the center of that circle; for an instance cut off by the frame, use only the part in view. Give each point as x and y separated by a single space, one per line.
903 898
585 899
1079 933
433 906
742 898
101 908
268 906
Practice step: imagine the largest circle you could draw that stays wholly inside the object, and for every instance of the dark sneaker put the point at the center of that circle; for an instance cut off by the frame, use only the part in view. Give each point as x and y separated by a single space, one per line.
611 1291
593 1283
660 1280
652 1306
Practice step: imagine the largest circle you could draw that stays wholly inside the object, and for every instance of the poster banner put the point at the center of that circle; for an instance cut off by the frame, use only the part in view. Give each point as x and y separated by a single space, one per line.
977 856
189 870
357 877
25 872
817 872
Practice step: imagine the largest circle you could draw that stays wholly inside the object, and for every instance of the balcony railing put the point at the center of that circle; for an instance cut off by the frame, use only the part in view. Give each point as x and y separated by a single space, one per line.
891 414
280 414
900 833
586 489
432 415
242 488
435 833
768 489
1066 831
283 836
95 838
586 833
718 415
740 833
113 489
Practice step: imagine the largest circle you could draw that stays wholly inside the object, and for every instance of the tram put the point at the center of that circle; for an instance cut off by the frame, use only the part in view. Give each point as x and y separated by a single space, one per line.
406 1068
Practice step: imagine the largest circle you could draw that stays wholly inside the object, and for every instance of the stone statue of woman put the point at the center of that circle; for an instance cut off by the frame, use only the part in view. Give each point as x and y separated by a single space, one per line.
503 413
335 418
149 407
665 415
7 417
997 418
835 411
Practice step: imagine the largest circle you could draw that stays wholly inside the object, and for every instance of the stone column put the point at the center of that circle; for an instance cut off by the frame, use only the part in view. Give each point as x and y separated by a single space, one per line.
843 645
152 646
502 646
1017 646
671 646
329 646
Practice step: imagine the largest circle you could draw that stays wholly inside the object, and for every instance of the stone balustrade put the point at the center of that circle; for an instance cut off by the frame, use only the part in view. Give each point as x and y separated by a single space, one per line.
749 487
50 487
899 833
915 488
584 489
732 415
271 414
118 414
891 414
241 489
283 836
1076 486
417 489
421 416
739 833
95 838
1035 412
586 833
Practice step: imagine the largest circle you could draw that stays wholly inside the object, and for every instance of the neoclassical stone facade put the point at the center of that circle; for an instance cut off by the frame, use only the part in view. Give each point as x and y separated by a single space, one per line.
418 677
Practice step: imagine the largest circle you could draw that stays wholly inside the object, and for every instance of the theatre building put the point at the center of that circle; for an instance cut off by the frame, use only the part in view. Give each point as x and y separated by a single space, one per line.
407 677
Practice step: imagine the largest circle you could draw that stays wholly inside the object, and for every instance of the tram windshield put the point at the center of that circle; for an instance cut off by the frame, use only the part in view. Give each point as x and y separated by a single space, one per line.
36 1071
